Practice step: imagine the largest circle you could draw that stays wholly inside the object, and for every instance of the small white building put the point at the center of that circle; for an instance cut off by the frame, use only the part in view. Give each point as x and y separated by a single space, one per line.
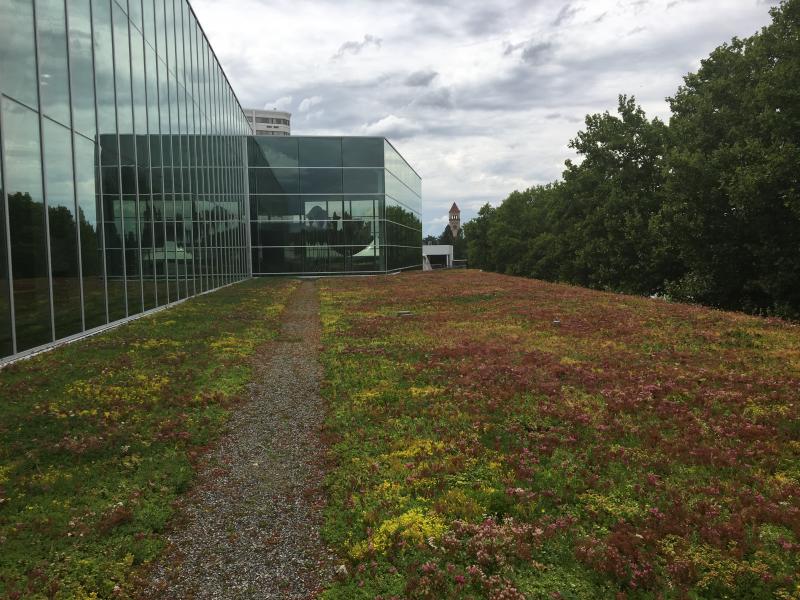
437 256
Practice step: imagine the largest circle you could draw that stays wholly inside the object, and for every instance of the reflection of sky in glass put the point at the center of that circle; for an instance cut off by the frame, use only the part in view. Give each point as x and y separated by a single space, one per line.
58 165
21 145
84 176
53 73
123 71
80 56
17 55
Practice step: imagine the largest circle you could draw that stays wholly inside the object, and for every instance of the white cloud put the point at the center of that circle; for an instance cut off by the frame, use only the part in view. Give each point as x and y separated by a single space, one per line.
282 103
392 126
481 98
308 103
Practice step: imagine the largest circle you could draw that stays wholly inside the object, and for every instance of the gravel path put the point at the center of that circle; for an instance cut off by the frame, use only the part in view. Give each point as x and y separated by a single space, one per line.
251 527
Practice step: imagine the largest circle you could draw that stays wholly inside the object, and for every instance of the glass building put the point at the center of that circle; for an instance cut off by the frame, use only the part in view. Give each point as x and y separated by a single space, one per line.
122 165
324 205
124 186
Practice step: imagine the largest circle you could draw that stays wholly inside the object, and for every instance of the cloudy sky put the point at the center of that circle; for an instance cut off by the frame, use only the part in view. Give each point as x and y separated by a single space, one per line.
480 96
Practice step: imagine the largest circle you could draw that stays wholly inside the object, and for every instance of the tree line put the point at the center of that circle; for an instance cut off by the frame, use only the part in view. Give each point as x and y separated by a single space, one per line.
705 208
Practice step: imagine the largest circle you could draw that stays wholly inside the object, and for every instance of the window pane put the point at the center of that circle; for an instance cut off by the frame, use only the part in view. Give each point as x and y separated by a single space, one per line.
123 79
135 12
17 51
320 152
5 308
94 295
148 13
104 73
320 181
273 152
53 73
81 66
286 208
363 181
362 152
63 229
26 220
360 206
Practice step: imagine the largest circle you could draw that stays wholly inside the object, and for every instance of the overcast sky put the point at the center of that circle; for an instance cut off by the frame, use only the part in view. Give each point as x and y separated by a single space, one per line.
480 96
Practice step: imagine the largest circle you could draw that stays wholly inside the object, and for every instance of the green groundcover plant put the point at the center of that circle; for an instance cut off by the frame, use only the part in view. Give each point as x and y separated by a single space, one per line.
513 438
98 438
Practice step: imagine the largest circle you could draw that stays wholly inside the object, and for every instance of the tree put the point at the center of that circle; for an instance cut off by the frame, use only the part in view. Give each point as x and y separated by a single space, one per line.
476 233
447 236
460 245
706 209
732 213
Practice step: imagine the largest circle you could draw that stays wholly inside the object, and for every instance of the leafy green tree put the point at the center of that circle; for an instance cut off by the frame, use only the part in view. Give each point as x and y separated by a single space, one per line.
614 191
706 209
476 232
447 236
732 209
460 245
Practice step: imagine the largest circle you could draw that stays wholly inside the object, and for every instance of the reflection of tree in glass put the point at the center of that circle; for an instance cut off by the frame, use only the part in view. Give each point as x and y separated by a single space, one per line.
400 215
26 220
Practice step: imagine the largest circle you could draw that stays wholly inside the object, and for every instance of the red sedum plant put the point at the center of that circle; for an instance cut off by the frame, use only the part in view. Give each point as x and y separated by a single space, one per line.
514 438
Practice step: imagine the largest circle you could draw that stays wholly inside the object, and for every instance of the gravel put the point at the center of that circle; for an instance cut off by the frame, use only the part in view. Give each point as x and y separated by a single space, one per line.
251 527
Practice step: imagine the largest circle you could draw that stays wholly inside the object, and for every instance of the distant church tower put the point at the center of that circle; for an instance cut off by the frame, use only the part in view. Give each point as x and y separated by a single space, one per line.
455 220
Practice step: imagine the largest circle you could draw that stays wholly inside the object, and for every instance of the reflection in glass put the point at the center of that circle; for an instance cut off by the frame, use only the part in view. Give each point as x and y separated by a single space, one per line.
63 229
6 347
339 233
320 152
320 181
26 220
94 292
104 80
17 51
81 66
362 152
369 181
53 72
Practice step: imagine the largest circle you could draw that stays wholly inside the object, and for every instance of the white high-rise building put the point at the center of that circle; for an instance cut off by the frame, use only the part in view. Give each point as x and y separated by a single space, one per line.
269 122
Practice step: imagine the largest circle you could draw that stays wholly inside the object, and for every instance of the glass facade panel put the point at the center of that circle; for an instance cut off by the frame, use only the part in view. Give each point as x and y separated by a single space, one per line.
23 179
63 229
91 243
320 152
18 51
362 152
53 72
104 81
81 66
6 344
320 181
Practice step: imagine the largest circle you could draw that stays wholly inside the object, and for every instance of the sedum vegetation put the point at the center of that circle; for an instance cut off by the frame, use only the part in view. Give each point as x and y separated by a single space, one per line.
521 439
98 438
705 209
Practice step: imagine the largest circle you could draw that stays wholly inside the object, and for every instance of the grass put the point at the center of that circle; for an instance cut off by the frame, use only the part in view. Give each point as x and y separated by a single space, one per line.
515 438
99 437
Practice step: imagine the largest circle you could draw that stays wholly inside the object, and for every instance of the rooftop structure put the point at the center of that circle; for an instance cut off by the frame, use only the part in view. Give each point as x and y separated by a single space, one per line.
269 122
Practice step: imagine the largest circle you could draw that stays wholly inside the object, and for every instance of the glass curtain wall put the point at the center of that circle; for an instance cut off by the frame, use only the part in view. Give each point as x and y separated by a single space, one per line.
403 212
123 176
319 205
